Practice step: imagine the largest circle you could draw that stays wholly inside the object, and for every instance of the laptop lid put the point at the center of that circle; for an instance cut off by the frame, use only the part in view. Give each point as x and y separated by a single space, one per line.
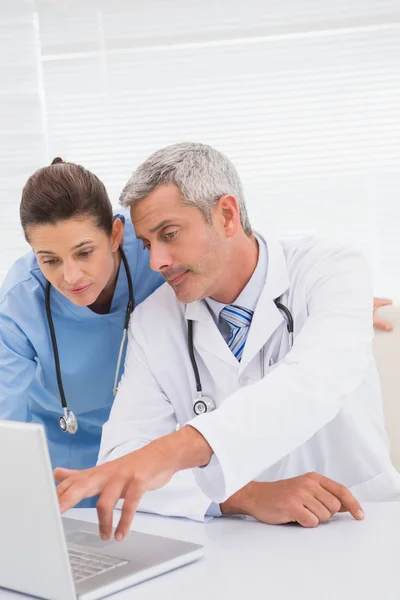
35 539
31 532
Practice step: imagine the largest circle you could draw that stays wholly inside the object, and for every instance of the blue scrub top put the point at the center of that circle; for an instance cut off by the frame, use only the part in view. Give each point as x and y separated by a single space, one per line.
88 345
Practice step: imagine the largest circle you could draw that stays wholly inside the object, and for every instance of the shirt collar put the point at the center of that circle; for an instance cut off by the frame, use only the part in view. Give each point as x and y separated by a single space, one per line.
249 296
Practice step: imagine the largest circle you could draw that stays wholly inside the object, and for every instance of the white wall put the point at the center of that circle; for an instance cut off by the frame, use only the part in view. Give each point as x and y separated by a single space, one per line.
303 95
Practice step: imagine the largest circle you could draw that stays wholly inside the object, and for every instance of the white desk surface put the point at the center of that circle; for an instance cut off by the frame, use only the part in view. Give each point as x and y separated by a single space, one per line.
340 560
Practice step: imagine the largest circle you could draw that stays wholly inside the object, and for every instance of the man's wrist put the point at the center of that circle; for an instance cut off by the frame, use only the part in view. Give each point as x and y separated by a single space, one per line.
232 506
241 502
187 448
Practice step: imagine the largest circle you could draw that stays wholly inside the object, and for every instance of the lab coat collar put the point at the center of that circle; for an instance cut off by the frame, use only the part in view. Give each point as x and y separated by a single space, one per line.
206 334
277 282
266 316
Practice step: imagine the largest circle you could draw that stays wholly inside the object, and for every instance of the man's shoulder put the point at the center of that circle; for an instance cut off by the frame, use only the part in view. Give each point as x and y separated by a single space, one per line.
161 306
311 261
314 251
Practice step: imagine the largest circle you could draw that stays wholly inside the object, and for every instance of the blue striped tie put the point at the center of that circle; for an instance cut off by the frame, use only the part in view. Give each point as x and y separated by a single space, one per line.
239 320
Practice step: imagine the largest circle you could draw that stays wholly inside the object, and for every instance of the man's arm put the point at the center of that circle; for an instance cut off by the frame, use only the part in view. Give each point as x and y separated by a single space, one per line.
131 477
309 499
303 393
140 414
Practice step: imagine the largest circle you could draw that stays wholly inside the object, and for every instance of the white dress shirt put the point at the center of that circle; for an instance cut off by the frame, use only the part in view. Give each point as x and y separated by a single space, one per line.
248 297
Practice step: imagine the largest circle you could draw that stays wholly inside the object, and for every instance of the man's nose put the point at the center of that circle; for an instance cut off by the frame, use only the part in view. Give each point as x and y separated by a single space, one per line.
160 258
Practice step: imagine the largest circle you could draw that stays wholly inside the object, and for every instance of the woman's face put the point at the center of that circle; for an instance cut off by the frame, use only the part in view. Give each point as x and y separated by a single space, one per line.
78 258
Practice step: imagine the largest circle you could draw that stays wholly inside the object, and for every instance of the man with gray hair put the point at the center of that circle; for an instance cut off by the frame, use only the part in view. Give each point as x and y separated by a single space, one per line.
276 336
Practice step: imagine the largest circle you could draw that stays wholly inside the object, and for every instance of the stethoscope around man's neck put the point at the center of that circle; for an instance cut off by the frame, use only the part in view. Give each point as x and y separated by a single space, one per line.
205 404
68 421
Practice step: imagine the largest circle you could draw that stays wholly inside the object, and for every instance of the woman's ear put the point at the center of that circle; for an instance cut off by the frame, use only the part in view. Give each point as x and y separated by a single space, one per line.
117 234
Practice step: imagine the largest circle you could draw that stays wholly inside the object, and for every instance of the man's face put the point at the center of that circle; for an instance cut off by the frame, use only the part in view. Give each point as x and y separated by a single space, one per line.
190 253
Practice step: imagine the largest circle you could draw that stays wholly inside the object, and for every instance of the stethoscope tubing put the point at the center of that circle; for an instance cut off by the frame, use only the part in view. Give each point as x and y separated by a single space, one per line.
190 343
56 356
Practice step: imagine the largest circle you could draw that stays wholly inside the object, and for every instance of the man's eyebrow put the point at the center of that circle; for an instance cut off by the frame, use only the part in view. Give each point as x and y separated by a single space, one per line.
160 225
73 248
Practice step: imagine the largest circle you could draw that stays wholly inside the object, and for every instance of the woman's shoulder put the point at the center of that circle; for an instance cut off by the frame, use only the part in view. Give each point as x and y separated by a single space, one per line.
24 280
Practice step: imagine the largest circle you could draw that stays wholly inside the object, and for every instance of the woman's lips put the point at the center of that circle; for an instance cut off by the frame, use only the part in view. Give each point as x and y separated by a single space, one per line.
79 290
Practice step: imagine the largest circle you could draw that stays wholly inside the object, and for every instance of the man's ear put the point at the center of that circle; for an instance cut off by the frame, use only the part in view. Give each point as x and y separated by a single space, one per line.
229 214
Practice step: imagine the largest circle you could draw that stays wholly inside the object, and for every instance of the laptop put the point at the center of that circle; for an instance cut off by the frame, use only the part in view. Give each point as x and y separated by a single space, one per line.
56 558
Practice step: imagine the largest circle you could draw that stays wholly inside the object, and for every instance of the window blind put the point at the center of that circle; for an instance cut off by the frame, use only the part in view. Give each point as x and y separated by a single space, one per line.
303 96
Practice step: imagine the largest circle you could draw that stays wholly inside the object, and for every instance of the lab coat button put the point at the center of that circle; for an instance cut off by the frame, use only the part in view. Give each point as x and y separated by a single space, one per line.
243 380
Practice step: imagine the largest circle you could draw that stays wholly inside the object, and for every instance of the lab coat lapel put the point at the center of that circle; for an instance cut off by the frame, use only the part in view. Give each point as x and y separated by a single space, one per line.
267 317
206 335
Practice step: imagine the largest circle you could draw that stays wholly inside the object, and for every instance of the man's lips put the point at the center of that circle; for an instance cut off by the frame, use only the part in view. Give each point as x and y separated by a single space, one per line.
176 279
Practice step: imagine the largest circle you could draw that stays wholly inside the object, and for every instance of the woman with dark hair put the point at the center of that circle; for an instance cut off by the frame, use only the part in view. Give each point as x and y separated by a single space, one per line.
64 307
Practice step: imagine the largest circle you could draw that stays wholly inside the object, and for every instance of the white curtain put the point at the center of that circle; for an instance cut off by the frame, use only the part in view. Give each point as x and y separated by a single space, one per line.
303 96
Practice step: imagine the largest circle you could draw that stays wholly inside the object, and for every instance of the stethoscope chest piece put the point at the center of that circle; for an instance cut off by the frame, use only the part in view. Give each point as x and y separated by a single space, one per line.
68 422
203 405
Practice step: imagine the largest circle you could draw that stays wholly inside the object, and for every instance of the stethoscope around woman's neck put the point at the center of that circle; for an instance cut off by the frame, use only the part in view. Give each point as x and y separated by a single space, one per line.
68 422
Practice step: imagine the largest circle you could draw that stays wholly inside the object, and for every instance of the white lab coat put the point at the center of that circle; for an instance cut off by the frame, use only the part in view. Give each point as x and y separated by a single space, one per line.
318 407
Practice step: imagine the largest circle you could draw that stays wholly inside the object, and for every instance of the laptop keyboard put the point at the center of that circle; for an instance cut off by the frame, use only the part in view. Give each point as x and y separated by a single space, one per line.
85 564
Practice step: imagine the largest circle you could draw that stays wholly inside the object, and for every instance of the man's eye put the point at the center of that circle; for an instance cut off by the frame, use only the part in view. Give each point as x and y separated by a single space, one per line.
170 235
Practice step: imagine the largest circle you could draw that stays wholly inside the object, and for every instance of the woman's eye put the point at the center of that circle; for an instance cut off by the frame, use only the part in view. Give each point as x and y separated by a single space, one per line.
50 262
86 253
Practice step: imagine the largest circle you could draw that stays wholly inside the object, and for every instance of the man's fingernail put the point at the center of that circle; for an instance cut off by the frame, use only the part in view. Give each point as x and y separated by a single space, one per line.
119 536
104 537
360 515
